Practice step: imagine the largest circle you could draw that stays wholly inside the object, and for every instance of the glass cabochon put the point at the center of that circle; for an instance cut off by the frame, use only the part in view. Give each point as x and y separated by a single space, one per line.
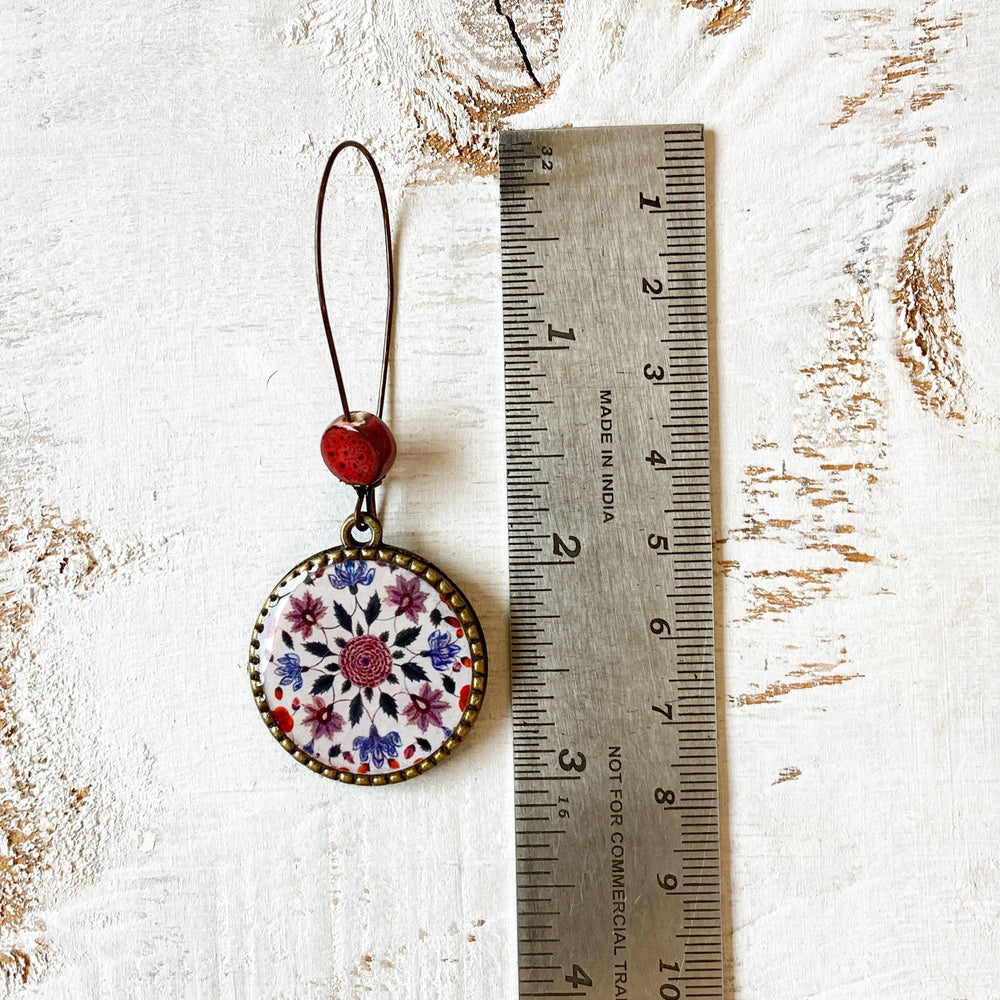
368 665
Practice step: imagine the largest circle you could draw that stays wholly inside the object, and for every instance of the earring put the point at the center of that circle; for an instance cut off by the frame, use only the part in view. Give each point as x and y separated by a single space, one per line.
367 663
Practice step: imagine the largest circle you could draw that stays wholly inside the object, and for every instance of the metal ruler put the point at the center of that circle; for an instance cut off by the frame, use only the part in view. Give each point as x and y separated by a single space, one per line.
612 638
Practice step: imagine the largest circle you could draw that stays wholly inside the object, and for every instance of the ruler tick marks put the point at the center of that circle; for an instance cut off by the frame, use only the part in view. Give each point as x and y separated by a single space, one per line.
612 672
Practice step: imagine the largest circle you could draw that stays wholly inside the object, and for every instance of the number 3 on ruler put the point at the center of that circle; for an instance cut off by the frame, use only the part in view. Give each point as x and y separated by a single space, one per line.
578 762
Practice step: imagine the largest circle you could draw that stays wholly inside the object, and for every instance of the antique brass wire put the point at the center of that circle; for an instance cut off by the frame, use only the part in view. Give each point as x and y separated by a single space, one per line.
390 305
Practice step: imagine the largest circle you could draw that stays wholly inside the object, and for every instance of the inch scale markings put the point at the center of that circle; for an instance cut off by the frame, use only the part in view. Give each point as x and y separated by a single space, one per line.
603 243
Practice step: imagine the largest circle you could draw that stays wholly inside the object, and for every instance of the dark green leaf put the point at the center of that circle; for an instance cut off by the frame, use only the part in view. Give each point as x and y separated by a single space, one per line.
449 683
359 629
423 744
345 687
407 635
343 618
356 710
323 684
413 671
388 705
435 617
392 678
384 636
340 642
368 694
335 751
398 654
286 639
320 649
374 609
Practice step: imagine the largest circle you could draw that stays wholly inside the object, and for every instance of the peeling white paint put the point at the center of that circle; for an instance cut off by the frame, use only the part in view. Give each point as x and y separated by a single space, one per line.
165 374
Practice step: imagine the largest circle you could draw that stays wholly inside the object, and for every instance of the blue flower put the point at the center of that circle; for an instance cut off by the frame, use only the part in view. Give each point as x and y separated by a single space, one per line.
352 575
290 670
377 747
442 650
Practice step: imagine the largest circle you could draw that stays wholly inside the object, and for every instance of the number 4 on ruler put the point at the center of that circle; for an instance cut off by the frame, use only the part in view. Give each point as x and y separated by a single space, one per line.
579 978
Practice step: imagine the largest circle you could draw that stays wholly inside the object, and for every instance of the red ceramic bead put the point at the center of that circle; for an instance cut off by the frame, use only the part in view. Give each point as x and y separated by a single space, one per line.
358 450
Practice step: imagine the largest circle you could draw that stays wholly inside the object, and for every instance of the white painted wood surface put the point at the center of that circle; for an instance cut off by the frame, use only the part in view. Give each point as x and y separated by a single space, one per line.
165 386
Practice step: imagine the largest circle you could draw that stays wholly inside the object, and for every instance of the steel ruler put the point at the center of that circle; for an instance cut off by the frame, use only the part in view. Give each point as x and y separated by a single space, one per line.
612 640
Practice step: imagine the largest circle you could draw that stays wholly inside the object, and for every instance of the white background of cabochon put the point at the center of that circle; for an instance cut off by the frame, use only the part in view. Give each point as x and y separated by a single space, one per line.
165 384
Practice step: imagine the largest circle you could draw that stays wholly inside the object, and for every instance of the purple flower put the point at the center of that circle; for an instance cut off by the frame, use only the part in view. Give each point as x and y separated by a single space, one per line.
290 670
442 650
407 596
305 614
351 575
322 720
425 708
377 748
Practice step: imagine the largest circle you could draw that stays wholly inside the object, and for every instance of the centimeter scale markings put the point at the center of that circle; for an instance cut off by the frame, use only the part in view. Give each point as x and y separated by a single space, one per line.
612 640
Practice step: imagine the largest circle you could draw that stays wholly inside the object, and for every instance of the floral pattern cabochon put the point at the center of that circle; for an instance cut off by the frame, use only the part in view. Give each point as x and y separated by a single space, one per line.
368 664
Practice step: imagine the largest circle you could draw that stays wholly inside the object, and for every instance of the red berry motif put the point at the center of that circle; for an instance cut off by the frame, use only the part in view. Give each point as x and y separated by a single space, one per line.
359 450
284 719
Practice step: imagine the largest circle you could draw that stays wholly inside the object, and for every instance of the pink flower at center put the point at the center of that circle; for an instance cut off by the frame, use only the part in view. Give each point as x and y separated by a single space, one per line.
365 661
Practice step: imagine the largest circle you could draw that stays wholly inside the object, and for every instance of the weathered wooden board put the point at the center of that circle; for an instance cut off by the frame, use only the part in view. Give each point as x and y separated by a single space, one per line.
165 384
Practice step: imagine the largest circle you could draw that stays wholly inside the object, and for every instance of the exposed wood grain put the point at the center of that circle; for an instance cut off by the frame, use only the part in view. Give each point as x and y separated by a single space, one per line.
454 72
904 76
806 510
778 689
930 348
726 14
39 806
787 774
52 807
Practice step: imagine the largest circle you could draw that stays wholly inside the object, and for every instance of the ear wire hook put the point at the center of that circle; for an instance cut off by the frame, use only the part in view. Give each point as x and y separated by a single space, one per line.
390 306
368 439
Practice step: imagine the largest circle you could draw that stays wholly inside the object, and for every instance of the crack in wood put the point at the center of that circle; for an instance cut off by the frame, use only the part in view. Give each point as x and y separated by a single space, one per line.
518 43
438 83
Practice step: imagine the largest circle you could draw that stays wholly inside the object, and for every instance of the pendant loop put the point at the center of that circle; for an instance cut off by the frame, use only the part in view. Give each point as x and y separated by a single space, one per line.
364 520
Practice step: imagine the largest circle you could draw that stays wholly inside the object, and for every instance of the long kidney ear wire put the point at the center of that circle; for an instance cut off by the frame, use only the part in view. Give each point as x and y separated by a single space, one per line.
366 494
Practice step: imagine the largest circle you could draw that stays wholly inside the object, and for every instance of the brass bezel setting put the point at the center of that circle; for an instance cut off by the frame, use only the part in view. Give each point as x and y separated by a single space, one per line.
455 600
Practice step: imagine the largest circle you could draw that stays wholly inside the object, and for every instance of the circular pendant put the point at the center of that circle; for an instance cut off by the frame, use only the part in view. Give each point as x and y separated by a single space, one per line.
367 663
